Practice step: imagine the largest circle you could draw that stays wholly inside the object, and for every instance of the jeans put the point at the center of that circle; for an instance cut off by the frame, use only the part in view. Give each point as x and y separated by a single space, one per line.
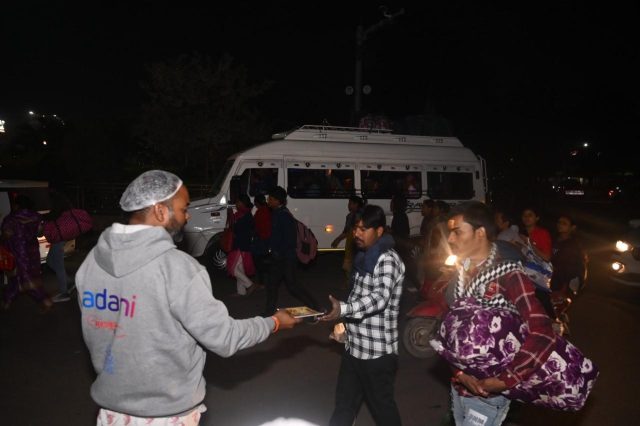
371 381
55 261
478 411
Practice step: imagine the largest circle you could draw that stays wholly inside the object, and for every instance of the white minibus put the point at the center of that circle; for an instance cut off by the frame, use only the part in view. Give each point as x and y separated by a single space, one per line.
321 167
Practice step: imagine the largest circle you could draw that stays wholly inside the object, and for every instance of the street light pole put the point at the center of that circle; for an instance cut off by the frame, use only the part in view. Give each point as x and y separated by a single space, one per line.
361 38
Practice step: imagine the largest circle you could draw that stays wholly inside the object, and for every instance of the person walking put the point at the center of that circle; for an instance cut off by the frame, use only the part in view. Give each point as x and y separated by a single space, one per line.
20 230
569 259
282 248
260 246
239 260
506 231
426 210
540 237
401 231
370 359
148 313
400 221
495 283
354 205
55 258
569 262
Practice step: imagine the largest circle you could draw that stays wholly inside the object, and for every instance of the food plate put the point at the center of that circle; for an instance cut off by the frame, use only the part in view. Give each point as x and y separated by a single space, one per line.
303 312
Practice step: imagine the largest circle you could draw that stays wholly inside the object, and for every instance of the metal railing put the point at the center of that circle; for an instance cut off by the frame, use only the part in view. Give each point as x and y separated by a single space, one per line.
104 197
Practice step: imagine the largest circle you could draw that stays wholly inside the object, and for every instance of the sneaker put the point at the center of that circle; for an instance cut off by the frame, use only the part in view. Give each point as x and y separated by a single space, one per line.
61 297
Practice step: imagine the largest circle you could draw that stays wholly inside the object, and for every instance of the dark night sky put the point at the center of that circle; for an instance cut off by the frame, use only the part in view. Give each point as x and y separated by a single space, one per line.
510 75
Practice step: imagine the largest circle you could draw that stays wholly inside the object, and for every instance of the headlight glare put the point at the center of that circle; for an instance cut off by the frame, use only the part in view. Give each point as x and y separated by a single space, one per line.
622 246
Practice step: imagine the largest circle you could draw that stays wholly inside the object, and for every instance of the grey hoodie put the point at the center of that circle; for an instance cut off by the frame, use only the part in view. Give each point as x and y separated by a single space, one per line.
145 306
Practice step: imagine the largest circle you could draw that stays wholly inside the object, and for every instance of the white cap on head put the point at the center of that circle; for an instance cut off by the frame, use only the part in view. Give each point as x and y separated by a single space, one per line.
151 187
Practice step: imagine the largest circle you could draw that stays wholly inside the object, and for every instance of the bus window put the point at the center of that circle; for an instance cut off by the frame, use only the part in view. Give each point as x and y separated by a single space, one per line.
450 185
320 183
384 184
258 180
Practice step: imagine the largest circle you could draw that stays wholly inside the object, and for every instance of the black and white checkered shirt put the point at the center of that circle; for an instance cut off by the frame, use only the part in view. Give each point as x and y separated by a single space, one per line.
371 312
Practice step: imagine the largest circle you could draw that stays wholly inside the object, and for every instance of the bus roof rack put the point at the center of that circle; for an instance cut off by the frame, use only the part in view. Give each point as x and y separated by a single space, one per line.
324 129
310 132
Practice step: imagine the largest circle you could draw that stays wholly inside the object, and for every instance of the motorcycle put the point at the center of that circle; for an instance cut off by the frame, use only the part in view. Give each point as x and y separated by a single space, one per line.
424 319
560 303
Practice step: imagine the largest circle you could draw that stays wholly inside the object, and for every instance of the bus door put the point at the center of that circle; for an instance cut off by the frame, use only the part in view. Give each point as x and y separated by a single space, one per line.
256 177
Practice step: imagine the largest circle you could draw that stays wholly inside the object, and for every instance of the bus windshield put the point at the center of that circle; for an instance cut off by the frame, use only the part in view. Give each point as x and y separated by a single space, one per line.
219 180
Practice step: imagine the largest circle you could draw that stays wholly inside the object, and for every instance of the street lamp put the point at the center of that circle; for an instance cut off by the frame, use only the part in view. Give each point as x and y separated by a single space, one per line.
361 37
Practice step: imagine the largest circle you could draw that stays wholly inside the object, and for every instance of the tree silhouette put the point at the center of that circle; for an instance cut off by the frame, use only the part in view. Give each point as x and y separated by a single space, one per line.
197 112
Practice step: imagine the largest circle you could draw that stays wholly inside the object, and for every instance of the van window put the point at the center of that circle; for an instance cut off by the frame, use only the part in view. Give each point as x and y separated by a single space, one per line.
258 180
385 183
38 196
450 185
320 183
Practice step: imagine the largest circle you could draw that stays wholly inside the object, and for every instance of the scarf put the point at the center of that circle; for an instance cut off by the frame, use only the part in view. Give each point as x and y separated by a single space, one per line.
490 271
366 260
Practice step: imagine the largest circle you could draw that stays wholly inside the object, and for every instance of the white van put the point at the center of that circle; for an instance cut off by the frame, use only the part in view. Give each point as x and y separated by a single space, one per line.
321 167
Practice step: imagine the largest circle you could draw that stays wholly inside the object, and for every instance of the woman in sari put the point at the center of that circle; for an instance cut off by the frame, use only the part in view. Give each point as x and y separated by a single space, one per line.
20 231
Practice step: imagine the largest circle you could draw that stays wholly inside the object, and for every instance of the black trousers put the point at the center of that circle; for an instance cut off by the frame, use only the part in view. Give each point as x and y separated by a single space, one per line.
262 268
282 268
369 380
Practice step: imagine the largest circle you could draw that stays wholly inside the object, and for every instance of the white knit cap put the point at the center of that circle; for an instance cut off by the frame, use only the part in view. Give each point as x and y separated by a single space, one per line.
151 187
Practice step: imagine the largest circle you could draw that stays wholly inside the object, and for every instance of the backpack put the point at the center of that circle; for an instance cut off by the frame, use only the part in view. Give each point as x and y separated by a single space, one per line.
537 269
306 243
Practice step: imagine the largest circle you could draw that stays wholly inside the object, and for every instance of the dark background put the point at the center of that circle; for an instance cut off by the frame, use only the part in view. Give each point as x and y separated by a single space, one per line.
522 85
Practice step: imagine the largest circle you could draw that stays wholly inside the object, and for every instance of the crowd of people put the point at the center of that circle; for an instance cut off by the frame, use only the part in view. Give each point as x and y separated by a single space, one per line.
136 279
20 231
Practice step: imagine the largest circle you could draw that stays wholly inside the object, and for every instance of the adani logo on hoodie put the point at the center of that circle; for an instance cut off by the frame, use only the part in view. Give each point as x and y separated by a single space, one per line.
104 301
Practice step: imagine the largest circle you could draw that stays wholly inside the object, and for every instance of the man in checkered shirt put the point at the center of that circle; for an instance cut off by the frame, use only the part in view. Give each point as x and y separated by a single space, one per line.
370 360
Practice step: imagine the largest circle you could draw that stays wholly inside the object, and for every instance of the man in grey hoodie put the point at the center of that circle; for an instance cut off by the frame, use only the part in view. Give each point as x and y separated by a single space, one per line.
148 312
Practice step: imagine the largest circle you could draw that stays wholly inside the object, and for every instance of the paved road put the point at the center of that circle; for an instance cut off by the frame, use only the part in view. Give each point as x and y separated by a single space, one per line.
46 371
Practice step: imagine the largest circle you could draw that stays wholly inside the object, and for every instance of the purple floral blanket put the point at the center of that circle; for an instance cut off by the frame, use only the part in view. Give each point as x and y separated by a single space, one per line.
481 341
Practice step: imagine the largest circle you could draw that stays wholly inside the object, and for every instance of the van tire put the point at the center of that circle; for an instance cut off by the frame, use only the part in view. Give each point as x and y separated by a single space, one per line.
207 258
